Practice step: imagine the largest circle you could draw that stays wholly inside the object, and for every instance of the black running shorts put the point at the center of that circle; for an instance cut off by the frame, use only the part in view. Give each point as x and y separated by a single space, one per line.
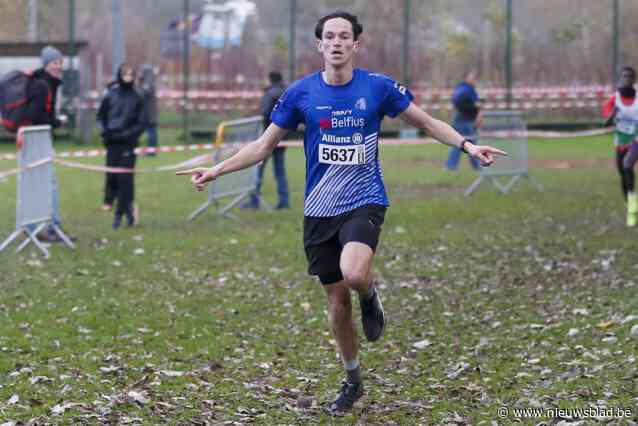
325 237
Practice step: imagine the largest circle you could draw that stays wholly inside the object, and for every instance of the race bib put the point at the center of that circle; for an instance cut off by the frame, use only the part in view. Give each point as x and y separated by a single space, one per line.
347 155
626 127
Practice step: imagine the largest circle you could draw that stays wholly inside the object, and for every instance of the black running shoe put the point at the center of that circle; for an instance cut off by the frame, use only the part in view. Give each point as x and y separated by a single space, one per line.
372 317
348 395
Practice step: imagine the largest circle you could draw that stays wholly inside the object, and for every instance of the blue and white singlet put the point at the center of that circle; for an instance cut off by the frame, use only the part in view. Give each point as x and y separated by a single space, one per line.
342 124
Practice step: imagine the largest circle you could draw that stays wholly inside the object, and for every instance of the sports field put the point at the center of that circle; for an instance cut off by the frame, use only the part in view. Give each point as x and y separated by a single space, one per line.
518 301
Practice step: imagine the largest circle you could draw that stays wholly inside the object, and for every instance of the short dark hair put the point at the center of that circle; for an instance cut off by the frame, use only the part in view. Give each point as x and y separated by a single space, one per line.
275 76
629 70
357 28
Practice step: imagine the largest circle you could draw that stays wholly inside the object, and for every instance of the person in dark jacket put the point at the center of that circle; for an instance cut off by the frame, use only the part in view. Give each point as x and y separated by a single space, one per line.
147 91
268 101
467 117
42 91
120 116
42 94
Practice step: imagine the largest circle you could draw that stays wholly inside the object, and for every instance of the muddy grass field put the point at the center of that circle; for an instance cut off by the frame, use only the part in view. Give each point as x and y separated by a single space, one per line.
496 304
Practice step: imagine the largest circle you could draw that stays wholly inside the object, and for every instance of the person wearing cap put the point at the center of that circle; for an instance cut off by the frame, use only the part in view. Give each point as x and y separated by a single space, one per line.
43 89
41 100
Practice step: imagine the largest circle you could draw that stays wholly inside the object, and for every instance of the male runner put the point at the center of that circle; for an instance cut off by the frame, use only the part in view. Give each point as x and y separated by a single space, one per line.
345 199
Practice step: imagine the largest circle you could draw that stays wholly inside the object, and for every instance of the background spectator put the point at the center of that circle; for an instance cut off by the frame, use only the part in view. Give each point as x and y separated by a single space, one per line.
272 93
42 95
121 117
146 88
467 117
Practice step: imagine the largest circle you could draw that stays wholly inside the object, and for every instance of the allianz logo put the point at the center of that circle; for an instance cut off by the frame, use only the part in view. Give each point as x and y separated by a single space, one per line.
355 138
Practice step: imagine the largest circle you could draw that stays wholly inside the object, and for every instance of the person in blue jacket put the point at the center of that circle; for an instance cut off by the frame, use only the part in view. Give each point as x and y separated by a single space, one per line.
467 117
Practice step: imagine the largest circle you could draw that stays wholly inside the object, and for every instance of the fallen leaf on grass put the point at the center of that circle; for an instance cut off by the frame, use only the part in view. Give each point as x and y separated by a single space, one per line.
61 408
137 397
573 332
457 369
172 373
422 344
606 324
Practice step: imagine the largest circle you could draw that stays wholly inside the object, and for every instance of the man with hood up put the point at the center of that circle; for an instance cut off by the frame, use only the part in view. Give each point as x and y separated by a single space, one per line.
120 116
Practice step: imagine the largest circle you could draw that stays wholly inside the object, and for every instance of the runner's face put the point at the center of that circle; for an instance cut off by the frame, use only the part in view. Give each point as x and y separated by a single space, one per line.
337 44
627 79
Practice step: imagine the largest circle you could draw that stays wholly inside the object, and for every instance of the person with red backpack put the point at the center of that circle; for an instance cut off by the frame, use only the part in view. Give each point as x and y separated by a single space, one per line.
43 89
41 96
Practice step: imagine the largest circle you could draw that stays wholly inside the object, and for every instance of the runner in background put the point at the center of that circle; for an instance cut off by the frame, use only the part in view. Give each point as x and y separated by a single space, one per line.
622 109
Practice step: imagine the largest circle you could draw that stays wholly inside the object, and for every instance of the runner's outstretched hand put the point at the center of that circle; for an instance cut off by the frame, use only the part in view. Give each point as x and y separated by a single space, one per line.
200 176
484 153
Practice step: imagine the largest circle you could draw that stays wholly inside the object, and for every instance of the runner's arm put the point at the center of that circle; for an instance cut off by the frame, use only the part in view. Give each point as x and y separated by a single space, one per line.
609 111
610 119
445 134
249 155
254 152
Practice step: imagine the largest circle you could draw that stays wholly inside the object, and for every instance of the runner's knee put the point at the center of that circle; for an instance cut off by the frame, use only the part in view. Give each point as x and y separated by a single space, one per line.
355 274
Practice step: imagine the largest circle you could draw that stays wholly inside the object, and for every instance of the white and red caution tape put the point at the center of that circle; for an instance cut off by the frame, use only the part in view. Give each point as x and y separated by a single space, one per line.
11 172
5 174
142 150
208 158
296 144
195 147
549 103
432 99
489 93
193 162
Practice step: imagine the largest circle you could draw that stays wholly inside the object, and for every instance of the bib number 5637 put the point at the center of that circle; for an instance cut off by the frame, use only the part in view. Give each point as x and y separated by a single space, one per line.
342 155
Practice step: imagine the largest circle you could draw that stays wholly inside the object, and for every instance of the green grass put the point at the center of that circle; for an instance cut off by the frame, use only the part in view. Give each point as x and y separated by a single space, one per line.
217 320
